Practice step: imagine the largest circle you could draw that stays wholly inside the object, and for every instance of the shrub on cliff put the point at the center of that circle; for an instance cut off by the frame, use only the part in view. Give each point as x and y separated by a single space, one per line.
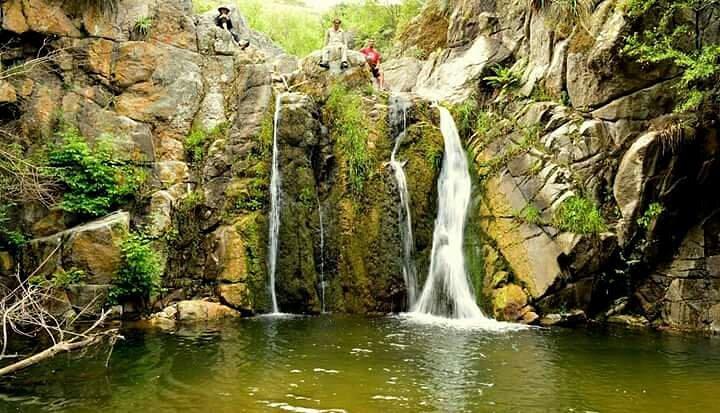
139 277
676 34
350 129
95 180
580 216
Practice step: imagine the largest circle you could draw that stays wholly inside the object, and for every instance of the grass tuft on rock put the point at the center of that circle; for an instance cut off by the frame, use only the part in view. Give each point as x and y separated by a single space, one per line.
580 216
350 130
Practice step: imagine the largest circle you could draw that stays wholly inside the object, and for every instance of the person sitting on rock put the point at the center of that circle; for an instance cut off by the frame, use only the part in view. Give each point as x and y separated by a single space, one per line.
224 21
335 40
373 58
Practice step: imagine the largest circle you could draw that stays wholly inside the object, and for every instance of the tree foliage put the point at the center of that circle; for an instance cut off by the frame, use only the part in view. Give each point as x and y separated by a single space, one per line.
681 36
96 181
139 277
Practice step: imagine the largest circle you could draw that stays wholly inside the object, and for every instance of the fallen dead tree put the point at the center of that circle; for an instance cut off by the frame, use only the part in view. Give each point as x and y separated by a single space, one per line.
25 312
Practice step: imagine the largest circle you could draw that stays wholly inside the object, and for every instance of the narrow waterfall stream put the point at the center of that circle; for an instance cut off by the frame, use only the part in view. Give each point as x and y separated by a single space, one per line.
322 257
447 292
275 200
398 120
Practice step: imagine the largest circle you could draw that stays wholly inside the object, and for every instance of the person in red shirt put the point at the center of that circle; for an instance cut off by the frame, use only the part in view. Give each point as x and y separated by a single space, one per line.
374 59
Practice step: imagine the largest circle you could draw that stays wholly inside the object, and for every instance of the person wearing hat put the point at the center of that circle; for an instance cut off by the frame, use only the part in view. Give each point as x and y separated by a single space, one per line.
335 39
224 21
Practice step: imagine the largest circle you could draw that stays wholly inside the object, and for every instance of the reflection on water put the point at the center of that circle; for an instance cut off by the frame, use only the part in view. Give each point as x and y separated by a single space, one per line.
336 364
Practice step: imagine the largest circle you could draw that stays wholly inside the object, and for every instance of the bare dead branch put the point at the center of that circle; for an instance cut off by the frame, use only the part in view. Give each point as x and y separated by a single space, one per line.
25 312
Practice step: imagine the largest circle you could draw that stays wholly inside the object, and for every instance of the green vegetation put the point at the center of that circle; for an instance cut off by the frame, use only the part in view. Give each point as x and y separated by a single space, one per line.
10 239
530 214
372 19
299 29
61 279
466 115
197 143
142 26
677 39
504 78
349 129
96 181
140 271
648 217
580 216
191 201
254 198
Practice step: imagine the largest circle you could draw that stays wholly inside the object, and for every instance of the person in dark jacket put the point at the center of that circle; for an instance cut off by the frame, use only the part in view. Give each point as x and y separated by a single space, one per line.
224 21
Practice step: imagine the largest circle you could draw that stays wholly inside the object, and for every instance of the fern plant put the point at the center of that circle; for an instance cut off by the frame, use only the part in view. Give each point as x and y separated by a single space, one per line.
504 78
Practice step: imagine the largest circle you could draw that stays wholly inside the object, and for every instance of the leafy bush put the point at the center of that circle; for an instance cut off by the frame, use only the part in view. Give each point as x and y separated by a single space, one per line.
96 181
140 271
372 19
580 216
677 39
255 198
653 211
350 129
298 30
10 239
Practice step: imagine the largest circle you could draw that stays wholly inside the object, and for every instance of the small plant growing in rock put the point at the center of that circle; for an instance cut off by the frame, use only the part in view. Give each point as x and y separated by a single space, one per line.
142 26
140 271
504 78
531 214
653 211
199 139
60 279
10 239
580 216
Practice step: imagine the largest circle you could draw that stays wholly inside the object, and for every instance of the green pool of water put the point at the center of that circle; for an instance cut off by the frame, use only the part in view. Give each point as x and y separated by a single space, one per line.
333 363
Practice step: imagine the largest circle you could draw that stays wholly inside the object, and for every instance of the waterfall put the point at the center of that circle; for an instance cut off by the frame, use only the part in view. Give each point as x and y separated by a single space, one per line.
405 217
322 258
275 200
447 292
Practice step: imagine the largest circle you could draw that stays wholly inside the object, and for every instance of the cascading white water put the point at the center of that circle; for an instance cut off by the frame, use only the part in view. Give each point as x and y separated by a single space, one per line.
447 291
322 257
405 217
275 200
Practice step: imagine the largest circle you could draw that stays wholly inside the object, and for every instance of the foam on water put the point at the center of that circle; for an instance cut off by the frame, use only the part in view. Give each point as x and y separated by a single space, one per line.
477 323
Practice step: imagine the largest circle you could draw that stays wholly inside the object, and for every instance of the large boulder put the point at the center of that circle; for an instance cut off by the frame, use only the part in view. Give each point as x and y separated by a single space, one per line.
401 74
450 75
631 179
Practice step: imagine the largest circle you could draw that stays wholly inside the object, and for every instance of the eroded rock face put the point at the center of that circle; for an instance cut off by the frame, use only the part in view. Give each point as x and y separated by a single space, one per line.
583 120
145 95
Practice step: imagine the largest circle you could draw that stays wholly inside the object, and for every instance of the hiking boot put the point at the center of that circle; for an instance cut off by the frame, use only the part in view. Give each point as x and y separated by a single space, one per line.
324 65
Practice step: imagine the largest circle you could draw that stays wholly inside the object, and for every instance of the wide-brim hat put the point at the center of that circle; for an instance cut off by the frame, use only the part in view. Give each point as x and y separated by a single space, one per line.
221 8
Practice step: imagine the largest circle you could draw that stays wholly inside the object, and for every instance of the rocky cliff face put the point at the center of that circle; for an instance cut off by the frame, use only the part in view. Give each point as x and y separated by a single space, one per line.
581 127
196 112
592 197
149 92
